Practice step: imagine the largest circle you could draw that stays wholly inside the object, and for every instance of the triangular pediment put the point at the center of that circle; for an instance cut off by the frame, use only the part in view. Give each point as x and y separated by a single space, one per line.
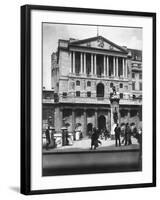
98 42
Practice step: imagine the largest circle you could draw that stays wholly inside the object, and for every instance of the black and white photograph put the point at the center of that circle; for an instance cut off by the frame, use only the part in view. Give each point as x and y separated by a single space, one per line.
88 99
92 98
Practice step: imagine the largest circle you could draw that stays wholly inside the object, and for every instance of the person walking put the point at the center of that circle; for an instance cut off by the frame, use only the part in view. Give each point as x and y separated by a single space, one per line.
48 139
127 135
117 131
94 139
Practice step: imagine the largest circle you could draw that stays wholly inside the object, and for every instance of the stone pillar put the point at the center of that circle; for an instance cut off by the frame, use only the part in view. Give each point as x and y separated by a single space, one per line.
84 63
70 57
104 65
109 118
91 64
74 62
58 119
117 67
73 120
81 64
123 66
85 123
114 108
107 65
126 75
96 118
95 64
114 67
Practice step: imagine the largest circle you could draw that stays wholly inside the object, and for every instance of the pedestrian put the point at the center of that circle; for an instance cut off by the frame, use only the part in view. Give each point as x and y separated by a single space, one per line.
97 137
106 134
127 135
48 139
94 139
117 131
66 137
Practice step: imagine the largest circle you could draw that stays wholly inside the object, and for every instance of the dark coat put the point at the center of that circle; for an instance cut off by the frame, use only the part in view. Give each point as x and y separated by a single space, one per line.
47 135
117 131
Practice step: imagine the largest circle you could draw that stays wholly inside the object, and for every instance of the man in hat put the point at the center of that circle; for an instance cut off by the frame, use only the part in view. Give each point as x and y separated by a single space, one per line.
48 139
117 131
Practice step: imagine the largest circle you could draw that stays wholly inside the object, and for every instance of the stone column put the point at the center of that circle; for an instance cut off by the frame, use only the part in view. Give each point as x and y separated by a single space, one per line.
107 65
114 67
117 66
109 118
85 123
96 118
123 66
73 120
104 65
84 63
74 62
91 64
81 64
58 119
114 103
95 64
70 57
126 68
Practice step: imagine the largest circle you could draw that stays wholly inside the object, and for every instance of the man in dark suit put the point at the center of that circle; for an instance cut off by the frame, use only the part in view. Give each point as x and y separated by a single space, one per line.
117 131
128 135
48 140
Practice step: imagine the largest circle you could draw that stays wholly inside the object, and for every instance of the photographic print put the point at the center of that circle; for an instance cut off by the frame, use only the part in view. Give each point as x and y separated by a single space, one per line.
92 98
88 99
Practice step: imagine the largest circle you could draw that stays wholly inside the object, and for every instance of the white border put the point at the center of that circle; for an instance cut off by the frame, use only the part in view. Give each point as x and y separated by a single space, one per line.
41 183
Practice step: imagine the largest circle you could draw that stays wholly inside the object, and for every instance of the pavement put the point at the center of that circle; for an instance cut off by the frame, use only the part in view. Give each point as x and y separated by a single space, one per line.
85 145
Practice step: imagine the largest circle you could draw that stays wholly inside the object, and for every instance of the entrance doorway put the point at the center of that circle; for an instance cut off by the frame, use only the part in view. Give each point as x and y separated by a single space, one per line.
101 122
89 127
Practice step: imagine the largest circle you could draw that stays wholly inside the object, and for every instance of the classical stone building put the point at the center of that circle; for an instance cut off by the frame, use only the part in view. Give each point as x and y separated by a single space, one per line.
83 75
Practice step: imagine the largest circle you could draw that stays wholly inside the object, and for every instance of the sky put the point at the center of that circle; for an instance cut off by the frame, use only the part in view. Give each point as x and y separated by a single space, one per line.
123 36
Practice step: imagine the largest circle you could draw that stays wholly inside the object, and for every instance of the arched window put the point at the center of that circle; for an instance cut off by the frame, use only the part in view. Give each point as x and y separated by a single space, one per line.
111 85
121 85
89 94
78 82
88 83
100 90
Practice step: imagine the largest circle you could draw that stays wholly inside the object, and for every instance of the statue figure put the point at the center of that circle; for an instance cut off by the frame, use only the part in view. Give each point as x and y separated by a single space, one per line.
114 90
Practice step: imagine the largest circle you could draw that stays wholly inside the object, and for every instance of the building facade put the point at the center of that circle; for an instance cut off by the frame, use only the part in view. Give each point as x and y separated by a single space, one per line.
84 73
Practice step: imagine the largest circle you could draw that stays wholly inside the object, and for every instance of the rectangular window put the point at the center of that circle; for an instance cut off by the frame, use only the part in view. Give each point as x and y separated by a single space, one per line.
77 93
140 76
133 75
64 94
121 95
88 83
121 85
140 86
133 86
78 83
88 94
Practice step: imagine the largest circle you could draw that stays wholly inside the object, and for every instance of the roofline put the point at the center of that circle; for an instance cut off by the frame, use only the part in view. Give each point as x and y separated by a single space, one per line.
92 38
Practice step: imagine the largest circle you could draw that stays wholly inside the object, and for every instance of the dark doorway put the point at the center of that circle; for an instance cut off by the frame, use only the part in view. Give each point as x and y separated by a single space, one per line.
89 127
100 90
101 122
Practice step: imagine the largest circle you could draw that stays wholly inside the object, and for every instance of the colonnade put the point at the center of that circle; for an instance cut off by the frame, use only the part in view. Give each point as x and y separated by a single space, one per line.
106 63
